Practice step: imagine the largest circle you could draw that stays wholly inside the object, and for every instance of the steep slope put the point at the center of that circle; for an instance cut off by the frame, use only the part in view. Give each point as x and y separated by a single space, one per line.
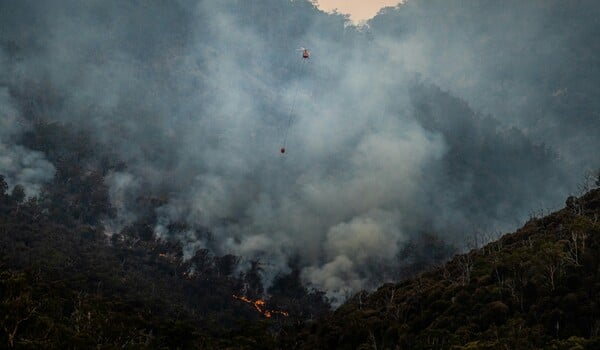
536 288
66 280
65 285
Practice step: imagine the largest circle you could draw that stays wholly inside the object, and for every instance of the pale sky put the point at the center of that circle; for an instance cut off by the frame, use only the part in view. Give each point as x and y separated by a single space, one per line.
359 10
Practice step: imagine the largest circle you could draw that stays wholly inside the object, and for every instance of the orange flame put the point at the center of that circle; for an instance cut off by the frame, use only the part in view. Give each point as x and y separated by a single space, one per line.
259 305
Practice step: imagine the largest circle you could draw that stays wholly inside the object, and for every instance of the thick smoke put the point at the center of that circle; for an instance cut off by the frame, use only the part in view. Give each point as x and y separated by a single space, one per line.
18 164
533 64
440 117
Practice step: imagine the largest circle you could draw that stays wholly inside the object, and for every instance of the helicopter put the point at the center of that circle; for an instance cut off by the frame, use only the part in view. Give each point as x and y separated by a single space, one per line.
305 53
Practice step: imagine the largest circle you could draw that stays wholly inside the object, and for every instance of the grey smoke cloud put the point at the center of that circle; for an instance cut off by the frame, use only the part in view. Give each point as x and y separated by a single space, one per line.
18 164
194 97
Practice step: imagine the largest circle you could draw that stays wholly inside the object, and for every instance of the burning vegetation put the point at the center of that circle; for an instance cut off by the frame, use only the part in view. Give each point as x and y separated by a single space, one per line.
261 306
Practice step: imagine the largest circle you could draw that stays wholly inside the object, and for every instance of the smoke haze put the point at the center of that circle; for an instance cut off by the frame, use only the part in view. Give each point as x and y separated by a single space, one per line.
440 117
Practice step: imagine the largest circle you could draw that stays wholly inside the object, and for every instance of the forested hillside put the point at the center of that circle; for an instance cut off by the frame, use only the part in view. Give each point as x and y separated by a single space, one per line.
536 288
64 284
145 201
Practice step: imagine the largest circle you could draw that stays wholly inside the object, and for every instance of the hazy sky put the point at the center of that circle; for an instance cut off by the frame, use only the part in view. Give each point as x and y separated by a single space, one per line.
359 10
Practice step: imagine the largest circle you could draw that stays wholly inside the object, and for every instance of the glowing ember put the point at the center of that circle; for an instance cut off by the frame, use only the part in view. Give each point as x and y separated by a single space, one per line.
259 305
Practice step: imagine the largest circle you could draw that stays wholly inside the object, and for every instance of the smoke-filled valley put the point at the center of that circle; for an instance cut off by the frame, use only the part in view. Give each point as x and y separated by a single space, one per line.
442 119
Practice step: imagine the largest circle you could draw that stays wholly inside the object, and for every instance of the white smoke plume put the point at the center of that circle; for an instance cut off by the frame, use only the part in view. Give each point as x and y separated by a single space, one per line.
18 164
